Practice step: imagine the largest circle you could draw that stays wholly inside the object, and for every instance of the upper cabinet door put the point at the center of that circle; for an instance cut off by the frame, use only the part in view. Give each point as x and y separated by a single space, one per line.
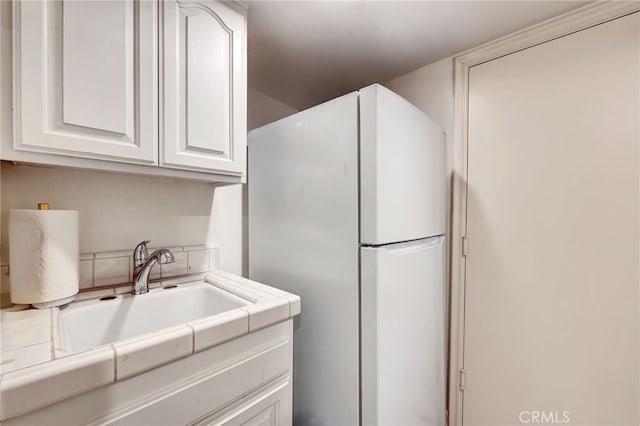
203 82
86 79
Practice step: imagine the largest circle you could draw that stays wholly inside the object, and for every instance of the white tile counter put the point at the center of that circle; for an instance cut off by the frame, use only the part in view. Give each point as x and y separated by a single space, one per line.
25 338
36 373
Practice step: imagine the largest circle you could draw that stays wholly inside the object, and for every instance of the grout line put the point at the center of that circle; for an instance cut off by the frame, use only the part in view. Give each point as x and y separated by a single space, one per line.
115 363
93 273
52 349
193 338
151 281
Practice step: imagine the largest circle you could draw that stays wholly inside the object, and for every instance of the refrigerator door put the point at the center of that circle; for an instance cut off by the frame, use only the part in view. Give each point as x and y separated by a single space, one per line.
402 170
403 333
303 238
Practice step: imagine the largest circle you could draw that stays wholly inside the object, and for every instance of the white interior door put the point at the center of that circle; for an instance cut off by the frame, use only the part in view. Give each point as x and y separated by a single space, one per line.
403 333
553 221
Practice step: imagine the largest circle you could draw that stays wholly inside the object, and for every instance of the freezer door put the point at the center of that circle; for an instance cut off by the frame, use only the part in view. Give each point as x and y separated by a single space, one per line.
402 170
403 331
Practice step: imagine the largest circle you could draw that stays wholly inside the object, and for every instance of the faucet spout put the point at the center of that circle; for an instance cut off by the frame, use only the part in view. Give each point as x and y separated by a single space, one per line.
144 263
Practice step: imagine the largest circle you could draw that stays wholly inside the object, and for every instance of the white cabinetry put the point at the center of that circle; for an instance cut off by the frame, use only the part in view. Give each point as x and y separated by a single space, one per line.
245 381
204 87
271 408
85 75
149 87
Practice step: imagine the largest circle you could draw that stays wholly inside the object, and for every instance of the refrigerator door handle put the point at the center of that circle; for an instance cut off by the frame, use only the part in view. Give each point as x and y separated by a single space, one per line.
412 246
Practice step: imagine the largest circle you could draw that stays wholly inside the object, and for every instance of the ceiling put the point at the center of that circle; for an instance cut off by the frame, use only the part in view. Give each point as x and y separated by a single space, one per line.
305 52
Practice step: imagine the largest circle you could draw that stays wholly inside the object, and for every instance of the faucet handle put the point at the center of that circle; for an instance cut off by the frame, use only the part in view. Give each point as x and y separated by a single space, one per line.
141 253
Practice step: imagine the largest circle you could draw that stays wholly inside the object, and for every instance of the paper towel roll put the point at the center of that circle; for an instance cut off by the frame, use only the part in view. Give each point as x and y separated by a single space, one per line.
43 256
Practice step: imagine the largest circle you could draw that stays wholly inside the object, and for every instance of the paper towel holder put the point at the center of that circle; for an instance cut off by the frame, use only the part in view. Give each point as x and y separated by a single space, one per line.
43 256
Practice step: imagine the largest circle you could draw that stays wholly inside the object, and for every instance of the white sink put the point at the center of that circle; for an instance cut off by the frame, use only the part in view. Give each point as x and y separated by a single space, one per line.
87 324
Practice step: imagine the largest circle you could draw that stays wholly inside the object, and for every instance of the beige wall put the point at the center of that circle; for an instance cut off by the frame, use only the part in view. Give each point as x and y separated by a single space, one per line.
264 109
118 211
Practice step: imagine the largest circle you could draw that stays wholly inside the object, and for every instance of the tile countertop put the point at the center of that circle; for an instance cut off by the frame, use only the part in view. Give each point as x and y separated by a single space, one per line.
31 365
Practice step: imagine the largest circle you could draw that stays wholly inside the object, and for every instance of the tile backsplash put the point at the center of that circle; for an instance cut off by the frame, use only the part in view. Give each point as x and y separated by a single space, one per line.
106 271
116 267
110 268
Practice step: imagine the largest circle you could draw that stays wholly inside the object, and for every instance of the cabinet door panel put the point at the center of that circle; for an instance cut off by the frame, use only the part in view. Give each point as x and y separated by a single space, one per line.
207 92
269 407
204 80
86 25
86 79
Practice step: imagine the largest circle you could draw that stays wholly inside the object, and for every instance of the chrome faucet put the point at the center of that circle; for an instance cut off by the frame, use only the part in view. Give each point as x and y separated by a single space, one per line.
142 264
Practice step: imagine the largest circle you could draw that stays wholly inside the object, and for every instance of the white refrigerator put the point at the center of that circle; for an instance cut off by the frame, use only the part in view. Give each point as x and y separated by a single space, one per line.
347 210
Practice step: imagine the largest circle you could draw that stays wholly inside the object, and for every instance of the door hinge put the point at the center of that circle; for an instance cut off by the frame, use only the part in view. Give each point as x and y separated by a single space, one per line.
465 245
461 379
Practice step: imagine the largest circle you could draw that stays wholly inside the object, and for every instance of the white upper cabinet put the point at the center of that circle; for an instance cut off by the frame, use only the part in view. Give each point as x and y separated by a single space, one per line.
203 80
135 86
85 75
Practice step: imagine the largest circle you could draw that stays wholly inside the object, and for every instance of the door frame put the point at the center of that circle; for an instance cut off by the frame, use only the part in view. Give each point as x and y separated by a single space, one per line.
571 22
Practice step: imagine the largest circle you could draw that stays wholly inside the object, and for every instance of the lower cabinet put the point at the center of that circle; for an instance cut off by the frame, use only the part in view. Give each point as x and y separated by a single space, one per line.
246 381
268 408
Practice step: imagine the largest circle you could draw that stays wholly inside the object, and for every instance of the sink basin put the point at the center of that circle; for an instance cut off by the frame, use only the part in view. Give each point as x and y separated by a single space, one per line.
92 323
